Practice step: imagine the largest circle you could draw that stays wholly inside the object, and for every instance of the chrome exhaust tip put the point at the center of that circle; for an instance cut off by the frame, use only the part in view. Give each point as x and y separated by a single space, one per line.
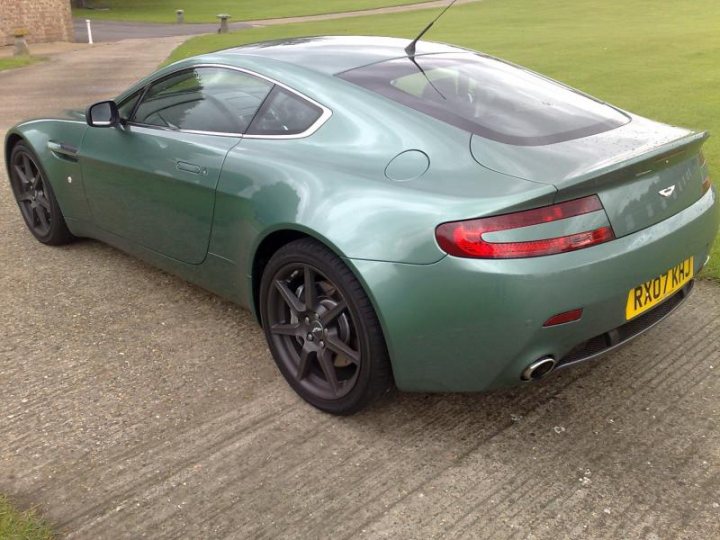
537 370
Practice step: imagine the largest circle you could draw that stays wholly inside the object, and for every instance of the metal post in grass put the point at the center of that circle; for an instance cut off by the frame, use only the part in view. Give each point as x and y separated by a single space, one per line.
89 31
21 46
180 16
223 23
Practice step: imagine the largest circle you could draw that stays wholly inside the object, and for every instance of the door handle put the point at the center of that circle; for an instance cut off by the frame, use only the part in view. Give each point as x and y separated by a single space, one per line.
190 167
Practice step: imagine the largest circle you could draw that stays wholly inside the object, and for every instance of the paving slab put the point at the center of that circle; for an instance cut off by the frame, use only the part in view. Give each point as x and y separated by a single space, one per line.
134 405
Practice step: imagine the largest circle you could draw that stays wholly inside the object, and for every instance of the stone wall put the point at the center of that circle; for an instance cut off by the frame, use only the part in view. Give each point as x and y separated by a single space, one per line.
45 20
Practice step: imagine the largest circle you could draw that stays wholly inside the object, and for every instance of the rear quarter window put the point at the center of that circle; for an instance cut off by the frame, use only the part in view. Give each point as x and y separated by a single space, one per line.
284 113
489 98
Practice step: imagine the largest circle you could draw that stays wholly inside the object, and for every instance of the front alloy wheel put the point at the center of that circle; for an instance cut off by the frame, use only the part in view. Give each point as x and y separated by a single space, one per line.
35 197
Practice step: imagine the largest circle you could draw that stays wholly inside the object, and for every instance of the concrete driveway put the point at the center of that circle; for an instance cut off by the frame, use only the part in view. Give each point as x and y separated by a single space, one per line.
134 405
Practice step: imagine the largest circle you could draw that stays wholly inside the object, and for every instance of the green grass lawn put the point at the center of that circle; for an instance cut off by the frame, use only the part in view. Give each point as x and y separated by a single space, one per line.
657 58
207 10
15 62
16 525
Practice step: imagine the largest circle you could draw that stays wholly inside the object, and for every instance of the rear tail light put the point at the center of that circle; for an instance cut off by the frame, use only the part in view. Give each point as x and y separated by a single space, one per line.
465 238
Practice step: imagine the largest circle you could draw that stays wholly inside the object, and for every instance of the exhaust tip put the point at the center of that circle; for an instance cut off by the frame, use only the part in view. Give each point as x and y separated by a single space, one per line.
537 370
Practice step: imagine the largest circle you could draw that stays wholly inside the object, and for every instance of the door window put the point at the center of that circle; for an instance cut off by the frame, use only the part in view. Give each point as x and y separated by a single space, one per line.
215 100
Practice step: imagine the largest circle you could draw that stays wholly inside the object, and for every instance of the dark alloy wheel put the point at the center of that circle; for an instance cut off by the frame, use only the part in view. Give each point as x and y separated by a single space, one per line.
35 198
322 330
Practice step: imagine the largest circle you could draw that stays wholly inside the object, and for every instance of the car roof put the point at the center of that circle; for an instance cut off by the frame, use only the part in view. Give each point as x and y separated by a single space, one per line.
333 54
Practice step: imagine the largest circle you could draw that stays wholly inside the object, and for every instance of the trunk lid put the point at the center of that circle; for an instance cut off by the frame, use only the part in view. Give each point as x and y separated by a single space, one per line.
627 168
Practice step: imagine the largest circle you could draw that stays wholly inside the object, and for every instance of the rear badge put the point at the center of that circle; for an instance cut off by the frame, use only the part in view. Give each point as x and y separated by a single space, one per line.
667 191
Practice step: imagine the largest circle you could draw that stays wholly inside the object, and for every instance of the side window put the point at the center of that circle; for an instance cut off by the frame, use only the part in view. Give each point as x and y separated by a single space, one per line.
203 99
284 113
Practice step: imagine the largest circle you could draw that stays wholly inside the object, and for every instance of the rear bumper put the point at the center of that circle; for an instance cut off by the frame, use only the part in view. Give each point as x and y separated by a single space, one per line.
474 325
617 337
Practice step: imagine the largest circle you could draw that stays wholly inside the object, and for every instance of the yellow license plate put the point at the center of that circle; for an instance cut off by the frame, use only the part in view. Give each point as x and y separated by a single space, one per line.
651 293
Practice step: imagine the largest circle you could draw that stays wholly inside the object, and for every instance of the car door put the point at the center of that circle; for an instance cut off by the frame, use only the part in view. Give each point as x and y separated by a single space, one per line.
152 180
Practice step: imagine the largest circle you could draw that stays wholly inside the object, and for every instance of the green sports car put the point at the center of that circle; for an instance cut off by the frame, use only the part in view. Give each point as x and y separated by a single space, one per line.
431 217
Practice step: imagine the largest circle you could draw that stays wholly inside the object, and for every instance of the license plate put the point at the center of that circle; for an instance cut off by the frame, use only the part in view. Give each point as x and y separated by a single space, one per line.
651 293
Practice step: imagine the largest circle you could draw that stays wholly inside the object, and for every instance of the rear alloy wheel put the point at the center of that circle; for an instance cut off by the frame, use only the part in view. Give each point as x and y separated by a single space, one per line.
322 329
35 197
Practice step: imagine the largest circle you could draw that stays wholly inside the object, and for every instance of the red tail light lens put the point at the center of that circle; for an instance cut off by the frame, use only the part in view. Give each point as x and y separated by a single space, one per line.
565 317
465 238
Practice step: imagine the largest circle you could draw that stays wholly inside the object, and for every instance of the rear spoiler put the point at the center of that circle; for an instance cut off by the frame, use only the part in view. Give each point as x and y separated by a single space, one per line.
644 162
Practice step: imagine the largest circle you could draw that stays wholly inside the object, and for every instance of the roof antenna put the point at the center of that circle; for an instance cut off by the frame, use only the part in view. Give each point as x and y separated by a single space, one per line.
410 49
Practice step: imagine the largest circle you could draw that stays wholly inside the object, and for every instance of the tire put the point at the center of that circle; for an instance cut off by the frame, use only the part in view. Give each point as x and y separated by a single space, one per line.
328 345
35 197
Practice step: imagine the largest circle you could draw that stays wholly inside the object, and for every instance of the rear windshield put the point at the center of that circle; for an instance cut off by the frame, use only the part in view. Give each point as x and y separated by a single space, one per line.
489 98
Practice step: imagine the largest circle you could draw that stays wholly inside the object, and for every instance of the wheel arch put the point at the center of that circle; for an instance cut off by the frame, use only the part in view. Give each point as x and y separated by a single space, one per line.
270 243
264 251
10 141
276 239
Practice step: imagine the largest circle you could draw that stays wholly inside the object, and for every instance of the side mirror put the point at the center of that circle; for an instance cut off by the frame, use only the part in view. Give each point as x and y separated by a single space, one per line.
103 114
